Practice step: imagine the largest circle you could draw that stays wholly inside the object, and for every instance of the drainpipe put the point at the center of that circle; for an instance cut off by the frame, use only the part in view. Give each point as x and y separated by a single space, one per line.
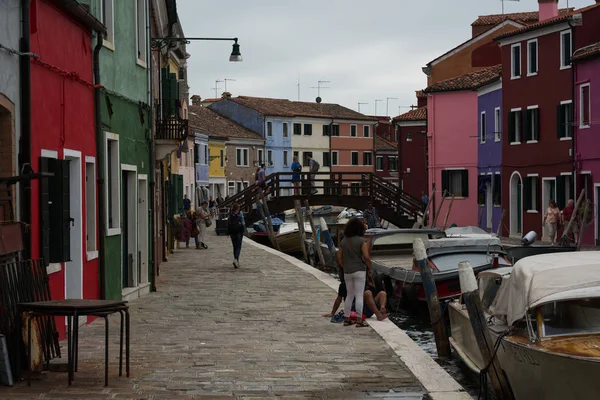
25 138
573 154
152 162
100 174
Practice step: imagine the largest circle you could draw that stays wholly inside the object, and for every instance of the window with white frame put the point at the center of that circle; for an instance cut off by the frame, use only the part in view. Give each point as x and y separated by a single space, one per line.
335 130
308 129
285 129
354 156
107 17
532 124
241 157
392 163
366 131
367 158
326 159
456 182
113 186
564 120
230 188
566 49
260 155
222 158
285 158
482 127
515 126
532 57
515 61
379 163
270 158
585 111
141 30
334 158
269 128
90 204
497 125
353 130
297 129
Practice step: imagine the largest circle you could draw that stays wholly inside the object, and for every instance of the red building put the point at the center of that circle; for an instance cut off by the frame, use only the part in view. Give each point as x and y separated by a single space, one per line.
386 160
384 128
537 85
411 131
63 142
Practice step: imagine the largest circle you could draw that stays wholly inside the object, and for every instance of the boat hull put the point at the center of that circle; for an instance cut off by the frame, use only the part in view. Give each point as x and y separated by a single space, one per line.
288 242
462 337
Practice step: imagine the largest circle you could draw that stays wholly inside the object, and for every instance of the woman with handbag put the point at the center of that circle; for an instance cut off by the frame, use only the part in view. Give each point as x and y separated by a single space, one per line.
203 222
354 258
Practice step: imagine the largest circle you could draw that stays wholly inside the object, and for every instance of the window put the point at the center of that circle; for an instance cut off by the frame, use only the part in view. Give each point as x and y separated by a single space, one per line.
367 158
564 189
206 155
141 31
482 182
532 193
564 120
260 155
565 49
353 130
532 57
497 190
196 153
379 163
366 131
222 158
285 158
270 158
326 130
285 129
297 129
515 127
269 128
497 127
355 188
326 159
307 129
355 158
305 156
231 188
456 182
334 158
482 128
392 163
113 186
90 203
297 155
335 130
107 18
585 110
532 124
515 50
241 157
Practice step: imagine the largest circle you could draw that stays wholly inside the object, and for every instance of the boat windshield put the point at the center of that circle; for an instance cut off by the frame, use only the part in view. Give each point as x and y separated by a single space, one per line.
576 317
488 288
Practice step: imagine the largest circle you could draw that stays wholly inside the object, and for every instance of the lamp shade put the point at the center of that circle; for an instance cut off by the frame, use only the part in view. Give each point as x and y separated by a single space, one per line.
236 56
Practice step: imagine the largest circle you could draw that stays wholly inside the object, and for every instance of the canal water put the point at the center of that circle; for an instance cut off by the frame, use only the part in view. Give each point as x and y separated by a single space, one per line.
417 326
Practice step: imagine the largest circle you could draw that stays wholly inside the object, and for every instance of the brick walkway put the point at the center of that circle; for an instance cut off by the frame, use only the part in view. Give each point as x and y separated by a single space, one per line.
215 332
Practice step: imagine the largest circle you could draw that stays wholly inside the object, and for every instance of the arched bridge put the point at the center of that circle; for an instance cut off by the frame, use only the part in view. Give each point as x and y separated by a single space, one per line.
347 189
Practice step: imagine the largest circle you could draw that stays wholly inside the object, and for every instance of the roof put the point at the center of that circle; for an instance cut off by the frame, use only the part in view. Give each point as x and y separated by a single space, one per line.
418 114
537 280
525 18
586 52
382 144
217 126
81 14
562 17
470 81
287 108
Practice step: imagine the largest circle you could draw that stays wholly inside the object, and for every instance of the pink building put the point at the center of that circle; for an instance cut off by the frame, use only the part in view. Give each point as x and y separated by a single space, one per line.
587 131
452 132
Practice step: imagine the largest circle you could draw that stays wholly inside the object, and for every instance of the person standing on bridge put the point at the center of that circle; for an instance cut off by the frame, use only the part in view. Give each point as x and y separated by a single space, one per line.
313 166
296 169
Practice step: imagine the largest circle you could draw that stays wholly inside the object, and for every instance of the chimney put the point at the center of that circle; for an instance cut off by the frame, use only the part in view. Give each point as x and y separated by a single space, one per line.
196 100
226 95
548 9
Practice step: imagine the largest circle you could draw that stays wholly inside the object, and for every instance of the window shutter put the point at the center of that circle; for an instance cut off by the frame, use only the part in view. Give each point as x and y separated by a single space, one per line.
55 211
527 123
65 247
536 119
45 212
559 121
511 127
527 194
174 92
179 192
465 183
570 119
560 192
166 92
445 181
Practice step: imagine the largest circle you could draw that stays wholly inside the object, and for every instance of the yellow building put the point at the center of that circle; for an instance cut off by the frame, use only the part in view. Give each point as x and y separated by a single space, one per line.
216 170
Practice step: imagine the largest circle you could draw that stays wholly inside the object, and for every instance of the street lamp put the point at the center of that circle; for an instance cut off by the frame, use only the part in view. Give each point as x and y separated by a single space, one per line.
160 43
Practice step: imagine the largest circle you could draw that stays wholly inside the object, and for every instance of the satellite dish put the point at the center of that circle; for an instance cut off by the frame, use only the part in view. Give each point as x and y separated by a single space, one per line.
318 99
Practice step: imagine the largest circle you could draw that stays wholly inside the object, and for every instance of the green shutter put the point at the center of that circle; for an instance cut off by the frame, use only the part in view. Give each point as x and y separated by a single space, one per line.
536 116
65 203
174 99
560 122
560 192
57 209
166 92
464 176
445 181
527 194
511 127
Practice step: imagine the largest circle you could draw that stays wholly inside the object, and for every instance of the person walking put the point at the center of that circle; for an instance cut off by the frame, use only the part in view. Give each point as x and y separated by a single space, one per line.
236 227
370 215
552 219
203 216
354 258
296 169
187 203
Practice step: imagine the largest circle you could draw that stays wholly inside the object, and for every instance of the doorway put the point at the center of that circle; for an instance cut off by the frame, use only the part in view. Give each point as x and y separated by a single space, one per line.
516 204
129 269
142 229
74 267
489 204
597 213
548 193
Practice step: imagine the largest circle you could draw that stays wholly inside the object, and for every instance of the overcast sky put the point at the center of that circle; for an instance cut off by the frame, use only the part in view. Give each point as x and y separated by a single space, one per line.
367 49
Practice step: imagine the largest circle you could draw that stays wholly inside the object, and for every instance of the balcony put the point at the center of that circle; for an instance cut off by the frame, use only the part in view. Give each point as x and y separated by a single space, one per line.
169 134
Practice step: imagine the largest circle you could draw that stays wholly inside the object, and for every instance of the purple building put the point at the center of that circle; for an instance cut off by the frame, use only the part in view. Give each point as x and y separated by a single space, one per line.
489 156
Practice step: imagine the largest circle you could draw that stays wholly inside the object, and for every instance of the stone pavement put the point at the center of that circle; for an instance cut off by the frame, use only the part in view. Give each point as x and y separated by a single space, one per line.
214 332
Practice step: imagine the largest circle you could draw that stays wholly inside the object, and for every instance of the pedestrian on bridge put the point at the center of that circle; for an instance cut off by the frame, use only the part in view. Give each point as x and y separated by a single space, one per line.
296 169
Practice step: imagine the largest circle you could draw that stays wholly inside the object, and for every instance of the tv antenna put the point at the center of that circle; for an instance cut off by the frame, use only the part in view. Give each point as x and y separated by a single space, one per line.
319 87
387 105
227 79
359 104
514 0
376 100
216 88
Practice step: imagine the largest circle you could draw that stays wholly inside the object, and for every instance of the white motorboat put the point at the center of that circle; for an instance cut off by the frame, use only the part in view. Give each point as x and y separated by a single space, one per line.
288 237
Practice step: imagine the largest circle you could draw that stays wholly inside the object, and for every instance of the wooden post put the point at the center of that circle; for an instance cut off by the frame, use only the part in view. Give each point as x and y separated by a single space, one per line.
300 219
448 213
439 210
428 206
435 313
585 217
314 232
264 213
485 343
563 238
499 232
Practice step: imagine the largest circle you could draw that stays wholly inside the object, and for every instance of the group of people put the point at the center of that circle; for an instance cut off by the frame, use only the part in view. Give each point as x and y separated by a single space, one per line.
554 220
194 224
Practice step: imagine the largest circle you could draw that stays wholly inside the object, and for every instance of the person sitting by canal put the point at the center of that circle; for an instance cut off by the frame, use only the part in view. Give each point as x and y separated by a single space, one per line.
296 169
370 215
236 227
354 258
375 300
203 216
187 203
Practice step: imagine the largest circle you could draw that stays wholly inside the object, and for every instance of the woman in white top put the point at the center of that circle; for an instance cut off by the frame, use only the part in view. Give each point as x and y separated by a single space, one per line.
203 215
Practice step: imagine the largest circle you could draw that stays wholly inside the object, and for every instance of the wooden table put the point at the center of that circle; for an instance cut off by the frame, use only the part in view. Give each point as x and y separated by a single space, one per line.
72 309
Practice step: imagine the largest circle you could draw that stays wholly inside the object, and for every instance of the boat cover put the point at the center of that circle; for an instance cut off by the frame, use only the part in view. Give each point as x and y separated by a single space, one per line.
545 278
464 242
466 231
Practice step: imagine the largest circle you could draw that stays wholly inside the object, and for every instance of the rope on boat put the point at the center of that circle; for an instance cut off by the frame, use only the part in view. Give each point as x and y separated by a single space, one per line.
483 383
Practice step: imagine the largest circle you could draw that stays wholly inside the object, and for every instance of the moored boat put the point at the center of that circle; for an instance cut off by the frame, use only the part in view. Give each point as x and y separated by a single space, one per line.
287 237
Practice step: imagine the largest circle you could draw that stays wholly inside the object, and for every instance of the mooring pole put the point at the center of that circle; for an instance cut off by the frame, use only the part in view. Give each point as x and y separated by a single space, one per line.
439 210
499 232
428 206
300 219
435 313
314 232
563 238
264 213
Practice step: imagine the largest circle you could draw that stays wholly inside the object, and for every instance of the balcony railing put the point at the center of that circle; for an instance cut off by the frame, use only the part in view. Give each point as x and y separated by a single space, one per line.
171 129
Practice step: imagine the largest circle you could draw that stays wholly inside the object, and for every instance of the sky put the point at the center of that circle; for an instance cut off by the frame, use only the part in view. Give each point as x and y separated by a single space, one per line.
368 50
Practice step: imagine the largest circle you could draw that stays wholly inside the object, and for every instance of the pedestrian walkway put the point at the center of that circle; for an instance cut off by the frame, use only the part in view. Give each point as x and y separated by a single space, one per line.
212 331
